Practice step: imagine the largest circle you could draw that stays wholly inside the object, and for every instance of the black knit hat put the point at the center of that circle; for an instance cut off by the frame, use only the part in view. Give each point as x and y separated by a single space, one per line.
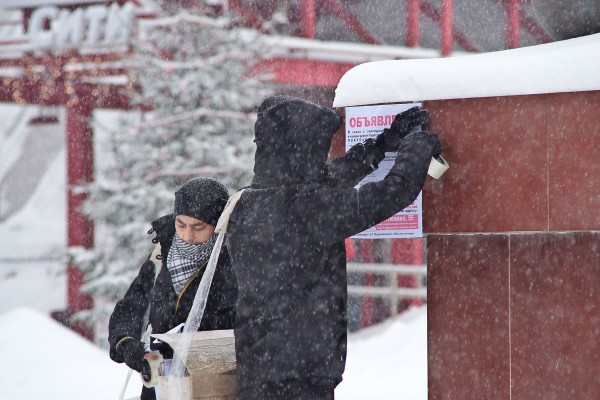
201 198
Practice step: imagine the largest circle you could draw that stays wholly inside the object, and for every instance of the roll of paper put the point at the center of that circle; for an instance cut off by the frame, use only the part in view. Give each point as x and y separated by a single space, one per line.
154 365
437 167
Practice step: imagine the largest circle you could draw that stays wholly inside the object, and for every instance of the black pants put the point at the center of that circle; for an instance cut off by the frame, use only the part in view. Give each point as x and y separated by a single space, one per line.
291 389
148 394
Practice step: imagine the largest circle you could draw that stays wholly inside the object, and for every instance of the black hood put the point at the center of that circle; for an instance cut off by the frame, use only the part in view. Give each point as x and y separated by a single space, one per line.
293 137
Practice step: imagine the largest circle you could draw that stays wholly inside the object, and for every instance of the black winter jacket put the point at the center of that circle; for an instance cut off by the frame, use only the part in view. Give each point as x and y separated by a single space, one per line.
286 240
167 309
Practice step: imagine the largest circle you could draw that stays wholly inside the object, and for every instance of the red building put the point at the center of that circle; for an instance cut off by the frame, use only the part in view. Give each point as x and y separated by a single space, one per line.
512 227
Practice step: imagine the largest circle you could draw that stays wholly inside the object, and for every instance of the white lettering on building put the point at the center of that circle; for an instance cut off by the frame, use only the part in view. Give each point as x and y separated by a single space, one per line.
95 26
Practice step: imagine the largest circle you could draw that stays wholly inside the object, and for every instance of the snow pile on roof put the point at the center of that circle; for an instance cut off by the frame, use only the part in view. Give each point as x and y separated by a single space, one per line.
565 66
41 359
295 47
39 3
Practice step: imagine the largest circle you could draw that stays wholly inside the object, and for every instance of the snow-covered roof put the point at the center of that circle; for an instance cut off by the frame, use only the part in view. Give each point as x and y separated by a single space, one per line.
565 66
38 3
296 47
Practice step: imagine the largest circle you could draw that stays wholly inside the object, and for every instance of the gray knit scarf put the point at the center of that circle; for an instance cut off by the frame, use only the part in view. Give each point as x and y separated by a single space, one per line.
184 260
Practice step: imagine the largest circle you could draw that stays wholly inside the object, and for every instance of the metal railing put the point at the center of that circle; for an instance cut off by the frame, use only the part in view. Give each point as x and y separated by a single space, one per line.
392 291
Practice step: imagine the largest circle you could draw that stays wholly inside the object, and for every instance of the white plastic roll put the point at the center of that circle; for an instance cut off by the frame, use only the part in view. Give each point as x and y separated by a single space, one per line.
437 167
154 365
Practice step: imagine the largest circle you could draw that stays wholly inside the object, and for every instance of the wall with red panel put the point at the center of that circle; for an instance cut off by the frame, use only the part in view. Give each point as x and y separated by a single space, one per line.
513 249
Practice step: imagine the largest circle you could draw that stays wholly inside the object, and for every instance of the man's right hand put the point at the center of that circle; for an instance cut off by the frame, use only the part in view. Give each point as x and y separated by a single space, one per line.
432 139
133 353
403 124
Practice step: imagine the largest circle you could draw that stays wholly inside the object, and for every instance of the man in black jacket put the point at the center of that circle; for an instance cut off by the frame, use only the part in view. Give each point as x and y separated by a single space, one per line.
286 241
186 239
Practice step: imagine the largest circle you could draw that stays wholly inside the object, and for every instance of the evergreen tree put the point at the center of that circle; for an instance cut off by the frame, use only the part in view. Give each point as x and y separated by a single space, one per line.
192 77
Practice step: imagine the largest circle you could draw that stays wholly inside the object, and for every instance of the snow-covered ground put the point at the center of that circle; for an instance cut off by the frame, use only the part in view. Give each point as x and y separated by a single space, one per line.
44 360
388 361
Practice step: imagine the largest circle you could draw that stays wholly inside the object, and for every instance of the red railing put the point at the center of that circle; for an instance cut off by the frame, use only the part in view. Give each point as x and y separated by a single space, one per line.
450 34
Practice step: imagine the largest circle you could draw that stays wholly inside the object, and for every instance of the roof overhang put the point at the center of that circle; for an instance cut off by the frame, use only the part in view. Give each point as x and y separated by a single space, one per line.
566 66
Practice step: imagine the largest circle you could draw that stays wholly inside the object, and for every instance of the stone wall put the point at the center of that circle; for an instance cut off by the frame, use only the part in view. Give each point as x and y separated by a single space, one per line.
513 249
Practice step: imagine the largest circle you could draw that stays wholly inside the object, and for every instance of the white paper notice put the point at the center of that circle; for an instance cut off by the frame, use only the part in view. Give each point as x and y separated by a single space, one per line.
367 122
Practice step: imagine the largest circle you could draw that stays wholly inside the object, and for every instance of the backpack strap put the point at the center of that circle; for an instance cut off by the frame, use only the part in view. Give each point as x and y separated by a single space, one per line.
224 218
156 259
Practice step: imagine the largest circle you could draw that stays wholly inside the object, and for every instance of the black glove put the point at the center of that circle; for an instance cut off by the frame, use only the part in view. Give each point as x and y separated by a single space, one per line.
406 121
432 139
132 351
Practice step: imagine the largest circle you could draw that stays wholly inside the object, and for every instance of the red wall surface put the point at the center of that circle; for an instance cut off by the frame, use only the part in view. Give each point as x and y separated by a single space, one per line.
513 249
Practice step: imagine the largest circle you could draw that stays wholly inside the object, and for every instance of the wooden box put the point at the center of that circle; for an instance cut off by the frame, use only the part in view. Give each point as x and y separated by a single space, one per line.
211 365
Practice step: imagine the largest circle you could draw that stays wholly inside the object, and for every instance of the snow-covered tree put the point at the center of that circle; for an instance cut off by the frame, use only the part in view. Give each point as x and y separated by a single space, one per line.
191 71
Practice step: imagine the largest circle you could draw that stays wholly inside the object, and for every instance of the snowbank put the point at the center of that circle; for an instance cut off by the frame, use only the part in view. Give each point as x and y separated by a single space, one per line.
388 361
41 359
44 360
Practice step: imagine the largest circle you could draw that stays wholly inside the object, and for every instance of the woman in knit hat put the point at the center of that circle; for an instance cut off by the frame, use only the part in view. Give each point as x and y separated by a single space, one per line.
184 243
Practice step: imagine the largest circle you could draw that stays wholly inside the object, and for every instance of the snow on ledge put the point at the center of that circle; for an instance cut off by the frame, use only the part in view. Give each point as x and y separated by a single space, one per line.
40 3
565 66
295 47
